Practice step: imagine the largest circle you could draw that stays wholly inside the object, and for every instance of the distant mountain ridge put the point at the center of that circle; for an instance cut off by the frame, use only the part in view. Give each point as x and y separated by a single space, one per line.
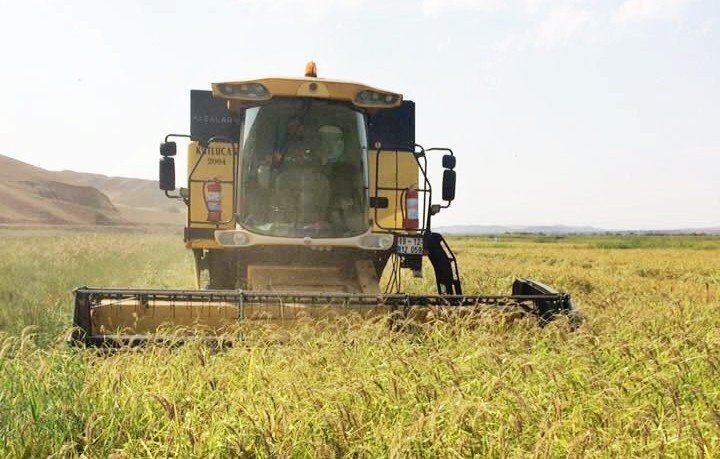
35 196
560 230
30 195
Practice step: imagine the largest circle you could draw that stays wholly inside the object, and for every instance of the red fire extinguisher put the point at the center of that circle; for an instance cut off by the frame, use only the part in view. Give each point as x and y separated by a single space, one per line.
212 194
411 209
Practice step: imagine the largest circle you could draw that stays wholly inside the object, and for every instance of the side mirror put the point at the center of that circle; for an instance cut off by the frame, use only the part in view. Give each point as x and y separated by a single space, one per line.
168 148
448 185
167 173
448 162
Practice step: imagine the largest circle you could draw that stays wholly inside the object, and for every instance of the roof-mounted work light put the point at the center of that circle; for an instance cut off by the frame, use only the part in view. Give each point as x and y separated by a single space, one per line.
376 99
243 91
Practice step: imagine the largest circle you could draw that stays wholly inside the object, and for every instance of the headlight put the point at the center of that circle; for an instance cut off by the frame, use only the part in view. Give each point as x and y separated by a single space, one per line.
369 98
386 241
240 238
377 241
232 238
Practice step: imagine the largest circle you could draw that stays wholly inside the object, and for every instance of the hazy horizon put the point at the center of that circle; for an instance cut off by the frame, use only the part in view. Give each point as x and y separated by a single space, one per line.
581 113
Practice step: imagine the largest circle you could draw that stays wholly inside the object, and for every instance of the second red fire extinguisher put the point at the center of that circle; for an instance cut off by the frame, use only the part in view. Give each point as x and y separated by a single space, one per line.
411 221
213 199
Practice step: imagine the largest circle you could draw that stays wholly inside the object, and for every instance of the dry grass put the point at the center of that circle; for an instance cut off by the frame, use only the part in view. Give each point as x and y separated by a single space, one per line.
639 379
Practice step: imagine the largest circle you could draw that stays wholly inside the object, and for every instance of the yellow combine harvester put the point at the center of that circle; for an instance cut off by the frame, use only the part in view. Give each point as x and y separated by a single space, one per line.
300 191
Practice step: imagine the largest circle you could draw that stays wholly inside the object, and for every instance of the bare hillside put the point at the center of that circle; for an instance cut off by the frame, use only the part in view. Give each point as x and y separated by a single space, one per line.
137 200
130 192
32 195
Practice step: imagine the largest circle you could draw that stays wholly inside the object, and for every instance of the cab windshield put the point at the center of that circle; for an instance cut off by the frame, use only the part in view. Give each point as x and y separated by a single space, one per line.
303 169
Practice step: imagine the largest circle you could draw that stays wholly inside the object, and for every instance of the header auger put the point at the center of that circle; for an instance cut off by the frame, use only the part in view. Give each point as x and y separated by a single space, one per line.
300 190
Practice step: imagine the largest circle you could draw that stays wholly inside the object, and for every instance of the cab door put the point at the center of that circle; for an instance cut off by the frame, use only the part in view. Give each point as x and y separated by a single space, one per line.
392 168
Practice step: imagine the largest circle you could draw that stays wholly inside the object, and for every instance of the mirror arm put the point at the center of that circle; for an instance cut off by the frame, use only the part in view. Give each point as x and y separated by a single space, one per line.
186 136
173 196
441 149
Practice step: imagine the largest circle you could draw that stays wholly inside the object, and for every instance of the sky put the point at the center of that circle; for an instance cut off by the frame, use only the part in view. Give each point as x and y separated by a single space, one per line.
602 113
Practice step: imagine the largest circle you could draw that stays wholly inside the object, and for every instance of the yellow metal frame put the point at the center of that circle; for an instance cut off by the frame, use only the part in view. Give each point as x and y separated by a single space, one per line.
397 169
217 163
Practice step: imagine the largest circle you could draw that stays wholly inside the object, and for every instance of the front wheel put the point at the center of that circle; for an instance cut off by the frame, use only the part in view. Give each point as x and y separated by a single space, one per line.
222 270
200 267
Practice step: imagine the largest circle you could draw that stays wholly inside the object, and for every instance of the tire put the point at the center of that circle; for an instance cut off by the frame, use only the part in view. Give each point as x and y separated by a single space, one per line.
222 269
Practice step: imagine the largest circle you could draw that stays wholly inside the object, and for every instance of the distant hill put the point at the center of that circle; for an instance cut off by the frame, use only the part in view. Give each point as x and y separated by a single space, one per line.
712 230
500 229
35 196
137 200
560 230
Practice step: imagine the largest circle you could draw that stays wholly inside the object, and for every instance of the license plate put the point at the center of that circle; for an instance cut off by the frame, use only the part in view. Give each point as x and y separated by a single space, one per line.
409 245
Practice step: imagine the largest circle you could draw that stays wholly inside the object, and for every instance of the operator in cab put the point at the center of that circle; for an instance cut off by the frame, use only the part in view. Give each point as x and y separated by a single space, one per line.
303 170
301 189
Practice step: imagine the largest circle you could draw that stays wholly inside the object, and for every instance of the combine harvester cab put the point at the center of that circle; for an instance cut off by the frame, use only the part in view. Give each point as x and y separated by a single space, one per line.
300 192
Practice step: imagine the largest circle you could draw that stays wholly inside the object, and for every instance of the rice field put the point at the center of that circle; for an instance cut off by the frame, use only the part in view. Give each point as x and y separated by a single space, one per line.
639 379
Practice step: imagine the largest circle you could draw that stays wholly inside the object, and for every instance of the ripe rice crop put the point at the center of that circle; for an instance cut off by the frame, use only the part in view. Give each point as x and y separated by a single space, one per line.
639 378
